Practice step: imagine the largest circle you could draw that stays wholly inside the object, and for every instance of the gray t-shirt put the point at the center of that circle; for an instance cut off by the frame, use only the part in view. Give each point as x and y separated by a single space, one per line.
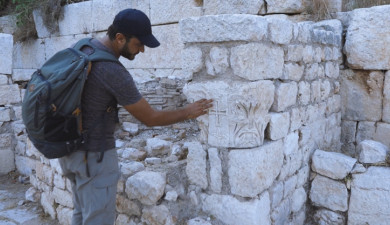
108 84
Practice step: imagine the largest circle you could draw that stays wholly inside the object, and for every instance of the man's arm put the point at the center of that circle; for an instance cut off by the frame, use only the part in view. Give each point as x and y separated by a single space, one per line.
150 117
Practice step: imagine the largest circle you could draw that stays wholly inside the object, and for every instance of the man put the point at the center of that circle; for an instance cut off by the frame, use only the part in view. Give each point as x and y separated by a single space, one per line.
94 175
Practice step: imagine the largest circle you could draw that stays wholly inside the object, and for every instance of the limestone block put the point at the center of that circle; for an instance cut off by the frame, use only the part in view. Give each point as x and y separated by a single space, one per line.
132 128
24 165
166 56
22 74
289 186
47 202
276 194
212 7
231 211
4 80
312 72
198 221
215 170
141 76
222 28
278 126
305 31
59 181
367 41
348 131
294 53
8 24
372 152
130 168
44 173
361 94
291 165
281 214
365 131
382 129
303 175
146 186
55 44
172 11
32 195
368 193
192 59
126 206
133 154
285 96
157 147
7 161
257 61
217 63
64 215
332 164
291 143
237 119
196 164
103 12
251 171
5 114
333 31
123 219
308 54
5 141
22 54
298 199
9 94
304 92
82 11
157 215
6 45
324 216
40 27
285 6
62 197
329 194
386 98
292 71
280 31
332 70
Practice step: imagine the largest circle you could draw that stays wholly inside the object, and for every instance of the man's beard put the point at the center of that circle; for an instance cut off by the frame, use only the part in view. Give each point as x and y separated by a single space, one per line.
126 53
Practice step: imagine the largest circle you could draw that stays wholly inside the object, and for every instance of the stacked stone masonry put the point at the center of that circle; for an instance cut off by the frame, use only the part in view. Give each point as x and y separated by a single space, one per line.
281 90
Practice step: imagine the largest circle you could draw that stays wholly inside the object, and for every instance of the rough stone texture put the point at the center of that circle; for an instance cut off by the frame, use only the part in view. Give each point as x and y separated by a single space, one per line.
62 197
233 7
368 193
348 131
285 96
47 202
372 152
7 163
69 26
380 133
8 24
162 11
361 94
198 221
329 194
280 215
365 131
367 42
285 6
324 216
280 31
232 211
64 215
53 45
332 164
42 30
217 63
6 45
124 205
221 28
5 114
237 119
278 126
157 215
22 74
298 199
292 71
146 186
130 168
196 164
251 171
192 60
386 98
215 170
257 61
157 147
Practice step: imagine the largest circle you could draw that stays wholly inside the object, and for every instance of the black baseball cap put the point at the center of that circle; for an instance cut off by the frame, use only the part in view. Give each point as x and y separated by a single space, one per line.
135 22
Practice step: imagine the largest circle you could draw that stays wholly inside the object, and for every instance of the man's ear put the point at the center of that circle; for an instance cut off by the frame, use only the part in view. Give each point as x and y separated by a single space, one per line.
120 38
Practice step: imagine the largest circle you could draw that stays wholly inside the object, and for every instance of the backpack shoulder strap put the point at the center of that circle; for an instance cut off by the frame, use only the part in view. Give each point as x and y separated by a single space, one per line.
97 54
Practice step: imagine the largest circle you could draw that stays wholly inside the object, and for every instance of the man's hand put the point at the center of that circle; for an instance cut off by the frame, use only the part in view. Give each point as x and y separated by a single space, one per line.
198 108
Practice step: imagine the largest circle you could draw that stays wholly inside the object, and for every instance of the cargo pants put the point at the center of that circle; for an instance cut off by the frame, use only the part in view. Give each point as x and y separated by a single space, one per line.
94 197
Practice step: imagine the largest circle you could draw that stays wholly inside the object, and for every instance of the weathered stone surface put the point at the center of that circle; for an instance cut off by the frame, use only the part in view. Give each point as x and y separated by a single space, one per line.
348 131
64 215
62 197
367 42
324 216
9 94
215 170
157 147
368 193
386 98
6 45
361 94
198 221
372 152
22 74
285 6
298 199
4 79
124 205
233 7
162 11
292 71
130 168
276 194
54 44
280 31
251 171
333 31
166 56
132 128
196 164
221 28
257 61
7 163
32 195
40 27
380 133
285 96
5 114
365 131
278 126
232 211
133 154
83 11
103 11
217 63
24 165
8 24
332 164
47 202
146 186
237 119
329 194
157 215
192 59
281 214
304 91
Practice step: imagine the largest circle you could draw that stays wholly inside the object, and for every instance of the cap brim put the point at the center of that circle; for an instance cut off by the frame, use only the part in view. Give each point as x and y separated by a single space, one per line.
149 40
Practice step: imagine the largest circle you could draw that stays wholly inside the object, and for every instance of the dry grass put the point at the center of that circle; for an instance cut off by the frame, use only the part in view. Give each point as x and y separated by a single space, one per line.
319 9
349 5
199 2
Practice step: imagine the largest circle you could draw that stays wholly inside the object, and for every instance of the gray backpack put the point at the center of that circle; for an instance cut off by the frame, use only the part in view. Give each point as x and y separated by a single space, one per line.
51 107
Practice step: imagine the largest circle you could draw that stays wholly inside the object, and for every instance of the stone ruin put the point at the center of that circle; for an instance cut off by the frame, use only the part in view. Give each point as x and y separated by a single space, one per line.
297 133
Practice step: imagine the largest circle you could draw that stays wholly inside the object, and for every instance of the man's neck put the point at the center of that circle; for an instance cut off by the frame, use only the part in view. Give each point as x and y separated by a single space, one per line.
110 45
